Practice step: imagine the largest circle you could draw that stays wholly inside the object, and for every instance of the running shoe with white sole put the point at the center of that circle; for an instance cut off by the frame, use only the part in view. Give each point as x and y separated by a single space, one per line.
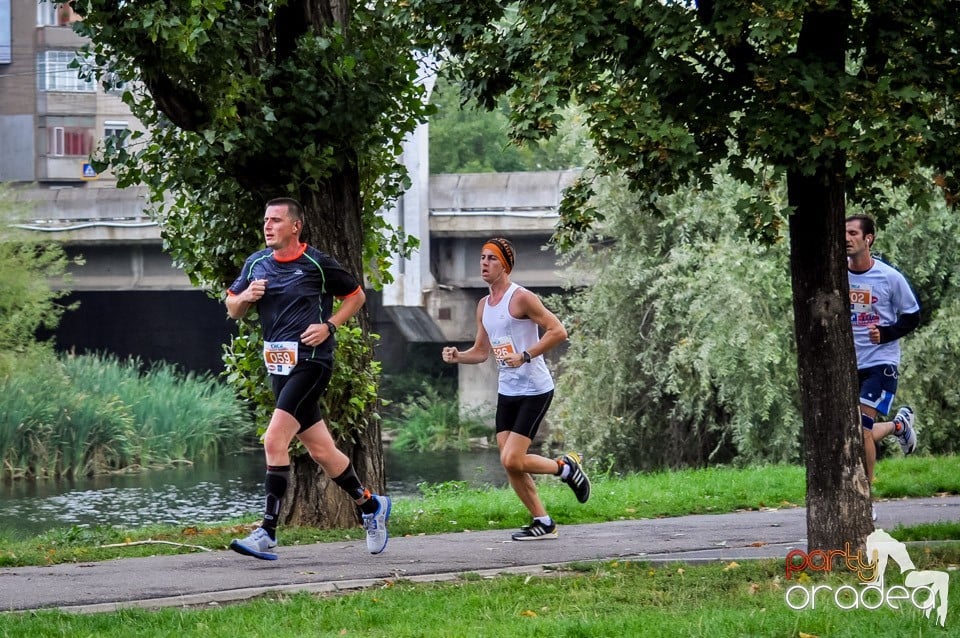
577 479
907 435
258 544
536 531
376 525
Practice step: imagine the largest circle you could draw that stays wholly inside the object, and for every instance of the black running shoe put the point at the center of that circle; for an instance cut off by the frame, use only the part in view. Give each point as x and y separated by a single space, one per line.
577 480
536 531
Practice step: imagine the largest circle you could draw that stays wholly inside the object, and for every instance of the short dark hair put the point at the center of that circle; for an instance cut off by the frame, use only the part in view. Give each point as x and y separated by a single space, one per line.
294 209
867 224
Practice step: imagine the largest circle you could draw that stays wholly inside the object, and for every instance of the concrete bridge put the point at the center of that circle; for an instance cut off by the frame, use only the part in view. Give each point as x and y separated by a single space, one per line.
134 300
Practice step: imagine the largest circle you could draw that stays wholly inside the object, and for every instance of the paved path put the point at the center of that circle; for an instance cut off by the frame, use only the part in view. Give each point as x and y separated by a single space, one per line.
224 576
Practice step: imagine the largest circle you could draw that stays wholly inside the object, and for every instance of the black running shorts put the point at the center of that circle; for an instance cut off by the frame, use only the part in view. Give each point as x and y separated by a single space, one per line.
299 392
522 414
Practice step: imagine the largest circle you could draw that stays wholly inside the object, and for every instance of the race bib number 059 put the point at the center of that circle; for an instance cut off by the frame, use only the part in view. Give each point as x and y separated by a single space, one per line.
280 356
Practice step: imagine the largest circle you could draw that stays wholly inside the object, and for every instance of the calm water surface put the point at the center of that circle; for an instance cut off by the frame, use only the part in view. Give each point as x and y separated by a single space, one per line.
206 492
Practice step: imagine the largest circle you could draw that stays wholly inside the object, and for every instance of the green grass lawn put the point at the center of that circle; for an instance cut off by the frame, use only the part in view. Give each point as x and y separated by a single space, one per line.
616 599
619 599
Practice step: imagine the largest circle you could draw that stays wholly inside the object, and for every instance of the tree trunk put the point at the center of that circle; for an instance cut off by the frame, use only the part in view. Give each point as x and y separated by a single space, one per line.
333 224
838 495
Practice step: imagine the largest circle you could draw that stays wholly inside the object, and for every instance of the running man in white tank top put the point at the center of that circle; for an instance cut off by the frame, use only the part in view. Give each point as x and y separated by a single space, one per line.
510 321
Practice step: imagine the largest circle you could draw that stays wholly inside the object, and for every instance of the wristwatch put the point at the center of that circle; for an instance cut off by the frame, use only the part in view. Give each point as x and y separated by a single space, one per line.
526 357
332 327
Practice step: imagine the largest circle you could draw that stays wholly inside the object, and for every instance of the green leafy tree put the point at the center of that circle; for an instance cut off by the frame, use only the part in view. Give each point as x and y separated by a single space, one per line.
834 97
465 138
681 347
28 268
248 100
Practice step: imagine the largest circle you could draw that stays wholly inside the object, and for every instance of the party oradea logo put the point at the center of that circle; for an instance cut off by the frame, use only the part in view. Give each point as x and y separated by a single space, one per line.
924 589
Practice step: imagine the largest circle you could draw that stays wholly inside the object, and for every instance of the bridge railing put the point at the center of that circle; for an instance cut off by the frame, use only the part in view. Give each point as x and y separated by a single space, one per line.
70 209
531 194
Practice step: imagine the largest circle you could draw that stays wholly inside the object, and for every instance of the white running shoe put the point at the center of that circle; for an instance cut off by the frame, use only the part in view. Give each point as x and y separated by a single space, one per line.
376 525
907 436
258 544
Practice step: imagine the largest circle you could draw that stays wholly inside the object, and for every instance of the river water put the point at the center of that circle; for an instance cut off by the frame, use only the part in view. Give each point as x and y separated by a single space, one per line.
206 492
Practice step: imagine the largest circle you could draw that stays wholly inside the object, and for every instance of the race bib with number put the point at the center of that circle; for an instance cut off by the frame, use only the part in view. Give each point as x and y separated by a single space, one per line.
501 348
862 312
280 356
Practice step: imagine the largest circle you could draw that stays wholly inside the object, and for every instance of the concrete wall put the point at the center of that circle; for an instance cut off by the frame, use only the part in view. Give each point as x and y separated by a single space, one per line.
17 142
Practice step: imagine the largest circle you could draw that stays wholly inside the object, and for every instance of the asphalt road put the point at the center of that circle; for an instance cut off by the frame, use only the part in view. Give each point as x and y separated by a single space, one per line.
222 576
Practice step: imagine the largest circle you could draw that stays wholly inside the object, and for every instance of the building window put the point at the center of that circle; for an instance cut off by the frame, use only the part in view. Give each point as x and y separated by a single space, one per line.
113 83
68 141
54 72
6 26
50 14
118 131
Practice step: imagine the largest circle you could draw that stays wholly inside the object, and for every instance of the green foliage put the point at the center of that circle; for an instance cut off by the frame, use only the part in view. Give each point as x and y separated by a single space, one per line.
246 102
28 267
349 396
688 355
420 365
681 348
87 415
428 422
670 90
465 138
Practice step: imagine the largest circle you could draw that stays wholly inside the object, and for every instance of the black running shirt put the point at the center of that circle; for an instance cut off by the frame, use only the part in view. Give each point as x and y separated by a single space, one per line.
299 292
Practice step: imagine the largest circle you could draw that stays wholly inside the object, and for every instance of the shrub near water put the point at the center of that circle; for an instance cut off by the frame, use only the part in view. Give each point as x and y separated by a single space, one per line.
85 415
429 422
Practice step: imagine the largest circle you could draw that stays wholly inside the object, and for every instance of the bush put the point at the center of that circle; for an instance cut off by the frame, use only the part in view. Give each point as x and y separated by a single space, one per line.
430 422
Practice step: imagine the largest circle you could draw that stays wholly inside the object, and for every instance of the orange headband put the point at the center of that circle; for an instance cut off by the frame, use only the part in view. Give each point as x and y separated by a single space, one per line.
498 251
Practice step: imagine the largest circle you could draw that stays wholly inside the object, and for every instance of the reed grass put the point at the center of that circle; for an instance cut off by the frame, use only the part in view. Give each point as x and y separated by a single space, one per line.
91 414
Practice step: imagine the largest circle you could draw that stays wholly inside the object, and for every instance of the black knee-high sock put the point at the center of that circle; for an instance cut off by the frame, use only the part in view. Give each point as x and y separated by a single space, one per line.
350 483
278 476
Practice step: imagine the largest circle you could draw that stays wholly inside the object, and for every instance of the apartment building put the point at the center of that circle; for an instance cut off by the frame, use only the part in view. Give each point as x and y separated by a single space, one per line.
50 119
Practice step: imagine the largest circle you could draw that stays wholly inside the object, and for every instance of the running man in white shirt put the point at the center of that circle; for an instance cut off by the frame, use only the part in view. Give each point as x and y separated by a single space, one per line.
509 322
883 309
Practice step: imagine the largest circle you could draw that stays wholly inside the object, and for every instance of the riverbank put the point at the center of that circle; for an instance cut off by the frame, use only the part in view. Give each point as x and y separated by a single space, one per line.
221 489
455 507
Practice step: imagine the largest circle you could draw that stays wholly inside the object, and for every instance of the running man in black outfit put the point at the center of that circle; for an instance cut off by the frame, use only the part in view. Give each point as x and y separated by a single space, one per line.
293 286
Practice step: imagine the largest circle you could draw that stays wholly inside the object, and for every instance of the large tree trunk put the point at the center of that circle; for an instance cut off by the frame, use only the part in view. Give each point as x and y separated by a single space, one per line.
838 495
333 224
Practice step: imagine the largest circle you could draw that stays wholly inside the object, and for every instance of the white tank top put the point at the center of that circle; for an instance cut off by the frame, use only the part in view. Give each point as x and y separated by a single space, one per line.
508 334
